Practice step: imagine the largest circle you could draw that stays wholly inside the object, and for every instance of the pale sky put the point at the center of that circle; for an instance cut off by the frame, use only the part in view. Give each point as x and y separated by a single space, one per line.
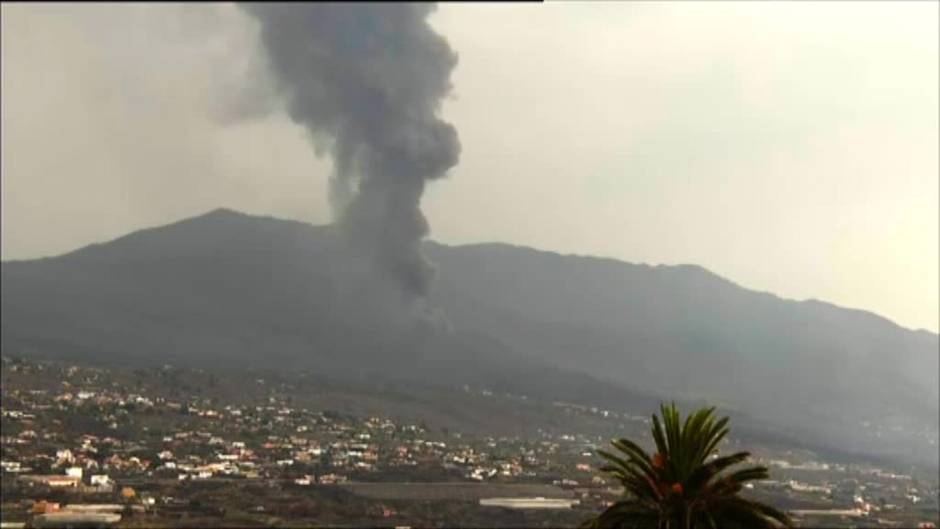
790 147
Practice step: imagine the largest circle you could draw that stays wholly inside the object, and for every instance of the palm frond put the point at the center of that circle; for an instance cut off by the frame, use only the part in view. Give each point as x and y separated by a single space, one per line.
715 435
659 436
677 488
636 455
626 515
706 472
753 514
697 423
747 474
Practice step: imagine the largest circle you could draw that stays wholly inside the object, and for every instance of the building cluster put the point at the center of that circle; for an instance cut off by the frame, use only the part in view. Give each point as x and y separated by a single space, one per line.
89 434
84 432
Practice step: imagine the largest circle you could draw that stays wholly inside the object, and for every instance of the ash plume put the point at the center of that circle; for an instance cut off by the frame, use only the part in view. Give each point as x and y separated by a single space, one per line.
367 80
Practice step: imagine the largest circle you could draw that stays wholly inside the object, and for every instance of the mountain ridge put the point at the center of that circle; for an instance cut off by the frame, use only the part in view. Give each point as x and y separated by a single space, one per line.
236 288
689 267
230 213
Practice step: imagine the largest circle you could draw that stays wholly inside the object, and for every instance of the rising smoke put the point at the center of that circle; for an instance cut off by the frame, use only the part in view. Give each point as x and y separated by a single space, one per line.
367 80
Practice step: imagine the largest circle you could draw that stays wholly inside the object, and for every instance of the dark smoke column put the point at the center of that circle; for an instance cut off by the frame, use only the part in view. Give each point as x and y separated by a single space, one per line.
367 81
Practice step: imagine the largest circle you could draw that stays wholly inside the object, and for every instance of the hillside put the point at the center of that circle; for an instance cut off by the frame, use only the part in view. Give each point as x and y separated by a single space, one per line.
809 365
227 289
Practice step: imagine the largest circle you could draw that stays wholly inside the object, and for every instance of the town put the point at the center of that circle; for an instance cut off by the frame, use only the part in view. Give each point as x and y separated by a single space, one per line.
168 446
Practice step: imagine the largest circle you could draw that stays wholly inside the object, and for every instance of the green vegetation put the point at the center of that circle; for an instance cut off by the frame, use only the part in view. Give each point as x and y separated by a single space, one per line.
679 487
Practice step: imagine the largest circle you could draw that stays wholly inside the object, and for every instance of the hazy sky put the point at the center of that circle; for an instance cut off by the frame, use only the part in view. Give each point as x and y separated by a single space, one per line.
790 147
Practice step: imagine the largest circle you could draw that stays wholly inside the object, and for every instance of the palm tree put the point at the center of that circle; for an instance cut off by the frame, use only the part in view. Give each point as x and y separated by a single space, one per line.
677 488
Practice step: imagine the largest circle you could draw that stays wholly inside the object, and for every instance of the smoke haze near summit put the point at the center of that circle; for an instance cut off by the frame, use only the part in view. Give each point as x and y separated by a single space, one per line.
367 80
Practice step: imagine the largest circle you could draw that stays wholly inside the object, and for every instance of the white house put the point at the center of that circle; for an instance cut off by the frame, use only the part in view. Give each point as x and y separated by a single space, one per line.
101 480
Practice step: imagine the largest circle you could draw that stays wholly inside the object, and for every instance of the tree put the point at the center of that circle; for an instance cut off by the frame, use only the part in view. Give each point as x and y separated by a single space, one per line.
678 487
